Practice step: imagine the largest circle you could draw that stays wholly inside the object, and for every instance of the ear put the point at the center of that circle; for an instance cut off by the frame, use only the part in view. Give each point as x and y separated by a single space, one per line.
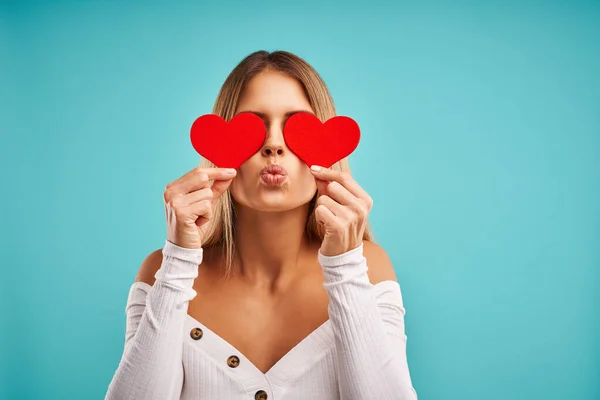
379 263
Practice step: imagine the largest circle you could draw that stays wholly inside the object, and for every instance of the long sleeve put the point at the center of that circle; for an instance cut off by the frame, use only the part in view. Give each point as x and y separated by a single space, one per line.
151 365
368 323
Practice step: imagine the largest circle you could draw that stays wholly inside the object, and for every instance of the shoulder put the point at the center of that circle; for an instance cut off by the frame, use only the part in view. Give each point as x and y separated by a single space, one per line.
149 266
378 262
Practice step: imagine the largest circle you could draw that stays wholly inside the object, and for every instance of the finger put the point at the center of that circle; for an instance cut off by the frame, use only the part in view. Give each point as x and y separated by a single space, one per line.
184 200
213 172
325 216
202 210
219 187
336 208
339 193
199 178
207 193
210 173
342 177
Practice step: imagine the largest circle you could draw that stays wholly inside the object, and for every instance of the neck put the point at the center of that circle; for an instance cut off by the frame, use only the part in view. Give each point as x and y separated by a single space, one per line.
270 246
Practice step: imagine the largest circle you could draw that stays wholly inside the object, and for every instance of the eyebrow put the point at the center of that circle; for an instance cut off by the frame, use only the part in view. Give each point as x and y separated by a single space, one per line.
287 114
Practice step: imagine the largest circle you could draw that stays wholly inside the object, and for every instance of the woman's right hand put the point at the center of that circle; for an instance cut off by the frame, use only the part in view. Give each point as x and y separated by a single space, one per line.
189 203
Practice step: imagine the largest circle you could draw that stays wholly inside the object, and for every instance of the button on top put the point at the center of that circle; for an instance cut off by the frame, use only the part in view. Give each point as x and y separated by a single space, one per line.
196 333
233 361
260 395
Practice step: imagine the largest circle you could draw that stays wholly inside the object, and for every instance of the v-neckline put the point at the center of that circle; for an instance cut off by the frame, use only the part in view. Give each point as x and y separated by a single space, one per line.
300 357
292 364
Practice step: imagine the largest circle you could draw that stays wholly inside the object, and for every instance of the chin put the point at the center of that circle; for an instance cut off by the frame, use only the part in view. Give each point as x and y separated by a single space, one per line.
271 203
272 199
273 209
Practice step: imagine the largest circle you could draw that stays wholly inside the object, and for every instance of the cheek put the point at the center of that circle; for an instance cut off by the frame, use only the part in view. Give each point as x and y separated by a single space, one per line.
243 185
307 180
237 186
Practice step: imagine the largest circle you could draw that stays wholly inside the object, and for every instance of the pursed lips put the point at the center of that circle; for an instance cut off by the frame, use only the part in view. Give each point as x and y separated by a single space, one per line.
273 174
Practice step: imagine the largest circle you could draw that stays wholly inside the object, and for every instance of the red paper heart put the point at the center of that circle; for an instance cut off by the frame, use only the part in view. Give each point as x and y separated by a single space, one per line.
228 144
318 143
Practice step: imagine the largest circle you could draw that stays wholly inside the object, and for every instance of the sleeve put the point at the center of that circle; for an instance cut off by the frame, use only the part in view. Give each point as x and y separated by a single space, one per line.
151 365
368 324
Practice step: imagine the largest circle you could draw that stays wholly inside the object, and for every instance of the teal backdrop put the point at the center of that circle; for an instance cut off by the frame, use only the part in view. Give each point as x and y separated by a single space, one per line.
480 148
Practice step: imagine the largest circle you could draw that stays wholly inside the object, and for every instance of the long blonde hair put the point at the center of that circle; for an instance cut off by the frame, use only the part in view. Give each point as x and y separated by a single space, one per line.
219 230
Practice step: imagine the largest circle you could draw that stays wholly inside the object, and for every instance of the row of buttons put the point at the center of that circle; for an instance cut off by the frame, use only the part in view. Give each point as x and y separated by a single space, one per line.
232 361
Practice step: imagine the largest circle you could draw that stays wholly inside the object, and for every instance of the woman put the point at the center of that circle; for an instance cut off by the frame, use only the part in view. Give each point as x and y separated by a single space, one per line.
262 289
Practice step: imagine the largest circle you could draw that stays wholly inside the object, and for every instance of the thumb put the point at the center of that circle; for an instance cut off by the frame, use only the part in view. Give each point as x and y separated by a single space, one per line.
219 187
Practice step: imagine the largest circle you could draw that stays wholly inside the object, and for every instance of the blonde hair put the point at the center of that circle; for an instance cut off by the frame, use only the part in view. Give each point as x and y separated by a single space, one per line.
219 230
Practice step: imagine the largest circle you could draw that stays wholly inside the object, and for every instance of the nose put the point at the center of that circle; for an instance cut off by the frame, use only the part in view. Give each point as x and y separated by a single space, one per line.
274 144
270 150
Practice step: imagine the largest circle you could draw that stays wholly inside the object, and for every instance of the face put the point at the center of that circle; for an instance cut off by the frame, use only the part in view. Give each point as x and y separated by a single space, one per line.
274 97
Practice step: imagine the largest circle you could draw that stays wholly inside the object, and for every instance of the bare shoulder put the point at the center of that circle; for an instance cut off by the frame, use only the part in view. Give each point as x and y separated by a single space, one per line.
379 263
149 266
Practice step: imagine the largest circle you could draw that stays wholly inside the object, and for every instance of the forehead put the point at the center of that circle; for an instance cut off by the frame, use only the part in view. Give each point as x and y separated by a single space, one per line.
273 92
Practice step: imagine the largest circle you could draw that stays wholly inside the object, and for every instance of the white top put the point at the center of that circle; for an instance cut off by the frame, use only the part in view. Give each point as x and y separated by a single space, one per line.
358 353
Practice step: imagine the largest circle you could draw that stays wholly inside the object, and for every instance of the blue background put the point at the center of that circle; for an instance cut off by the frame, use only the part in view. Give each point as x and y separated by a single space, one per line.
480 148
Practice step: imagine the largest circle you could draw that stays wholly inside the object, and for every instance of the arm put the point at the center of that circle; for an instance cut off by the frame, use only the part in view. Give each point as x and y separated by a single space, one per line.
368 323
151 364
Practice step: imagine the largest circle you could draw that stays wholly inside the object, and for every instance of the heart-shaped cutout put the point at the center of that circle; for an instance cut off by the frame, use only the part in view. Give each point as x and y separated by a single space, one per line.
318 143
228 144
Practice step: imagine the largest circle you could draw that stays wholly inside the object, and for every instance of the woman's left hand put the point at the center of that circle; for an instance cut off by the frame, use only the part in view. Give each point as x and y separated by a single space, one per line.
342 209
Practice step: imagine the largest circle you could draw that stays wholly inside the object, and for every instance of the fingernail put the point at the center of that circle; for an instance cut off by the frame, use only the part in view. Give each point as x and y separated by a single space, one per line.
229 171
315 168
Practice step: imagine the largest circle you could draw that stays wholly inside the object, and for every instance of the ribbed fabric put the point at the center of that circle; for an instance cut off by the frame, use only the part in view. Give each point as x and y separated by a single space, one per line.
370 341
358 353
